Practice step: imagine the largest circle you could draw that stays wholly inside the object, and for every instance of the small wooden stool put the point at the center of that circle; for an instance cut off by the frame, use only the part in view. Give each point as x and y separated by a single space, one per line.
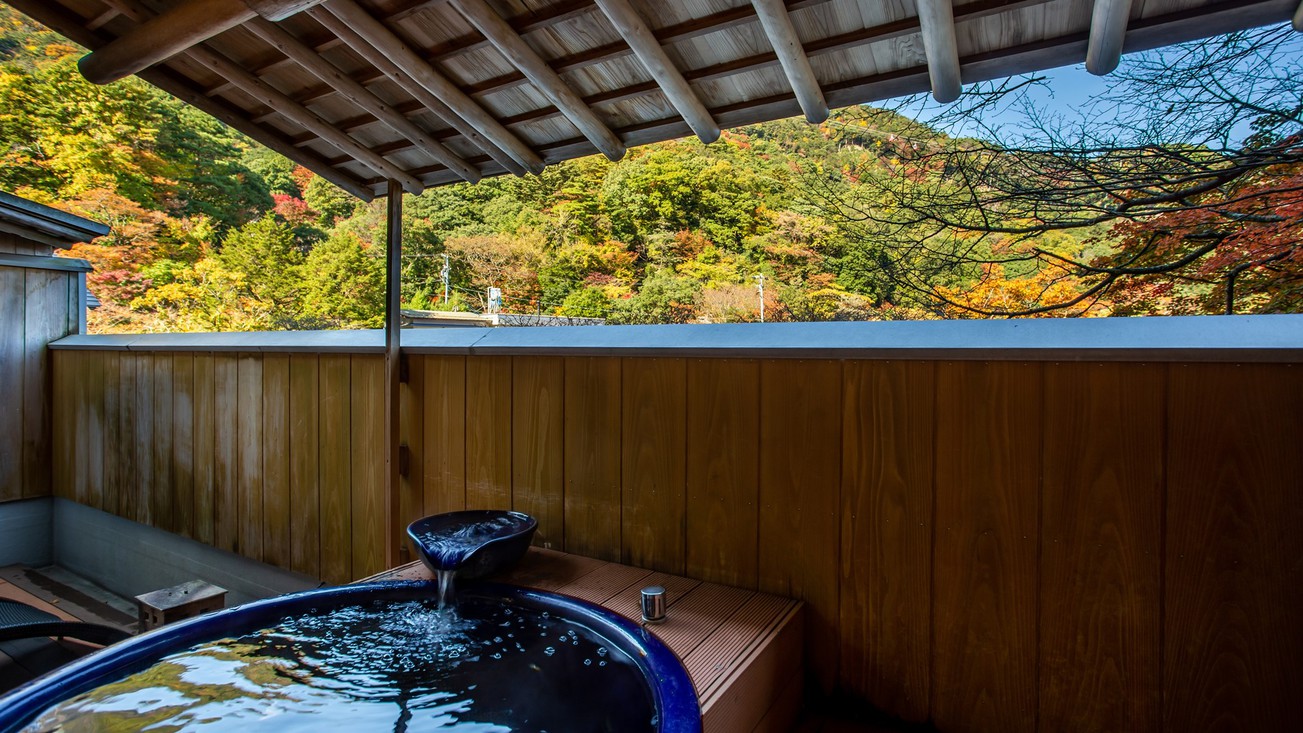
187 600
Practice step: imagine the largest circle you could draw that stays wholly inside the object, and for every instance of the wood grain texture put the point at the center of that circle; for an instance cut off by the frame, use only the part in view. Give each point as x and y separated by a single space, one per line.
800 484
653 464
335 476
985 573
885 600
114 441
45 319
368 439
142 506
411 435
592 457
93 436
444 414
249 448
1233 654
61 424
160 489
1101 539
128 485
183 449
723 463
12 345
305 495
537 445
276 507
205 460
488 432
226 497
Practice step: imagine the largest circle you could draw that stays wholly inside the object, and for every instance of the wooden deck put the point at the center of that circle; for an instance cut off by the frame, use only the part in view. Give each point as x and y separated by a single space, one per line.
741 648
23 660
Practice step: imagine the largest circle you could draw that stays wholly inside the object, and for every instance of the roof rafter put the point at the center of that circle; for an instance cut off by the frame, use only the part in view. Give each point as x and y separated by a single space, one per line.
634 31
936 19
791 54
524 57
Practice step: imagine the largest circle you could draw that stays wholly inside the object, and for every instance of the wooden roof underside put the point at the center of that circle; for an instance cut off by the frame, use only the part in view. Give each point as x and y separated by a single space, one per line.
466 88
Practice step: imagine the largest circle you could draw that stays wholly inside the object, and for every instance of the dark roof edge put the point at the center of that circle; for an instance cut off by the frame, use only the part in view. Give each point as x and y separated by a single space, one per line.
1272 338
46 224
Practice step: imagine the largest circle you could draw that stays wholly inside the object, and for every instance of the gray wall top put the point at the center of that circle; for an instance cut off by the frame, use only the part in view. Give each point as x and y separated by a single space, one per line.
1276 338
45 224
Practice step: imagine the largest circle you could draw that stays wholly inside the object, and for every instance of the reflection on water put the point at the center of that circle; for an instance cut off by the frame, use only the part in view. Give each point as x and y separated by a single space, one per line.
386 666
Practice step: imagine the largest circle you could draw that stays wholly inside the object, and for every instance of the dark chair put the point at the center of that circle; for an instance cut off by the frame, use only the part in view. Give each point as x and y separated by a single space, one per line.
21 621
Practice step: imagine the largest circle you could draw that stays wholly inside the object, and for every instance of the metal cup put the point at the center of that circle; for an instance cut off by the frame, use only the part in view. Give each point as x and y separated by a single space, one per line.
653 604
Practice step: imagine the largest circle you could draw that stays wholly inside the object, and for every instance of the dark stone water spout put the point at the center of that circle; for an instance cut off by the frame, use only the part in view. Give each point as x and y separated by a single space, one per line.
471 544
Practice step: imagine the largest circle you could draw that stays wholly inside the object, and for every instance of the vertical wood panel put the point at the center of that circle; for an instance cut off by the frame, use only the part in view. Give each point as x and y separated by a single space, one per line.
61 423
985 557
226 496
488 432
886 535
1234 562
800 486
128 476
444 451
205 460
335 474
183 443
160 492
368 445
592 457
305 495
653 456
276 460
411 435
723 484
142 504
45 320
1102 543
249 444
80 423
537 445
93 436
12 342
114 445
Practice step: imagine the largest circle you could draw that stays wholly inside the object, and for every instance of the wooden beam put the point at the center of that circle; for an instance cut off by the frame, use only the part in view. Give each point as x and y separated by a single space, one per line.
1298 18
162 37
1108 29
423 99
635 32
413 66
283 41
62 21
782 36
937 25
523 57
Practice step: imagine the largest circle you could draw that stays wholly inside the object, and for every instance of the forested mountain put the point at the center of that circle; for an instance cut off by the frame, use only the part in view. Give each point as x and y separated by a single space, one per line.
212 232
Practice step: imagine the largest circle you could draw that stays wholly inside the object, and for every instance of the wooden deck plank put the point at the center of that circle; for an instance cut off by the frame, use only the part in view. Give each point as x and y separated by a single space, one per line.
604 582
709 663
537 455
696 615
629 600
592 456
550 570
654 448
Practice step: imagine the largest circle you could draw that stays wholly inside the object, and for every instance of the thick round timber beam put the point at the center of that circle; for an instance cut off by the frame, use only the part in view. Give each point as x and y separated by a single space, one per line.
287 44
936 21
635 32
1108 30
380 41
173 31
1298 18
778 27
544 77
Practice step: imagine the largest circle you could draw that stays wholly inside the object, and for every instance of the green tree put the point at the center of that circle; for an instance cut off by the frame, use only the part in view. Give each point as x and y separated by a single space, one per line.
343 284
264 255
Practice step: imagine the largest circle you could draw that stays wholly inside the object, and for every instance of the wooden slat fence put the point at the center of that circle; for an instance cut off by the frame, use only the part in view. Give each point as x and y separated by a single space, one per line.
985 546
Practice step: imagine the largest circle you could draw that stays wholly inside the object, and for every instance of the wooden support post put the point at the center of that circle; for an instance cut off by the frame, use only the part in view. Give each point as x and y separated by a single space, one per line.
377 36
796 65
393 364
937 23
635 32
1108 29
351 90
526 59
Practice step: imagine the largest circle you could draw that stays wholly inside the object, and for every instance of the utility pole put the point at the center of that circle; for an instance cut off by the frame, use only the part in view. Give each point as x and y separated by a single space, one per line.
445 272
760 288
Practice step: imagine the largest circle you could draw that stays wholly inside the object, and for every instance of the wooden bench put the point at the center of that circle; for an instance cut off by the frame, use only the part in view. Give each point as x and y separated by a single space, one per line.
741 648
